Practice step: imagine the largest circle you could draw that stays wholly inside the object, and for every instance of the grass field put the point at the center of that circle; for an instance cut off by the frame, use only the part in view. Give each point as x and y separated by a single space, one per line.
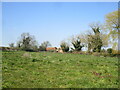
57 70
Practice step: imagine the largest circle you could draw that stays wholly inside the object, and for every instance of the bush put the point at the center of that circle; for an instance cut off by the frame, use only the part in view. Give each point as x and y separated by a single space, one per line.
113 55
70 51
105 54
109 50
30 50
42 48
64 46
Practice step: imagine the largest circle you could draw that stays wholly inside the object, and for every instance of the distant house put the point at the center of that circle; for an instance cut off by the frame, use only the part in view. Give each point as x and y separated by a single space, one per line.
51 49
54 49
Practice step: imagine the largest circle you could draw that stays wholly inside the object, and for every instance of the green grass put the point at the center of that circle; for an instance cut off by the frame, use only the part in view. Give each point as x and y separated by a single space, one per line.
57 70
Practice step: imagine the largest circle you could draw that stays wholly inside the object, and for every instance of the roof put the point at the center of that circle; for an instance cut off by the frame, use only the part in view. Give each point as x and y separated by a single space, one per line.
51 48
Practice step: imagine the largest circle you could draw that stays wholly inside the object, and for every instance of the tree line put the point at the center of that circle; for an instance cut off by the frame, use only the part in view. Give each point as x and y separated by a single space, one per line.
101 35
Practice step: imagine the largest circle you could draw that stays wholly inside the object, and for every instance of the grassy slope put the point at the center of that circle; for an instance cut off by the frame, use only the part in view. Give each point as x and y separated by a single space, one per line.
56 70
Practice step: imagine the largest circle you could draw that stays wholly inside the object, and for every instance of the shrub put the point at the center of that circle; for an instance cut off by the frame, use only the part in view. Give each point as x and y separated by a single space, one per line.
113 55
42 48
64 46
70 51
109 50
77 44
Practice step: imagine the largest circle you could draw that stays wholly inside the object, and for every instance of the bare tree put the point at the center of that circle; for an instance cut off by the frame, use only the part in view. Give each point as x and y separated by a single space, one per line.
44 45
27 42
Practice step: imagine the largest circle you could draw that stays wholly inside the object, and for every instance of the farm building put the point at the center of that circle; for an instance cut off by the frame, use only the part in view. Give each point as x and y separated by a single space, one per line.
51 49
55 49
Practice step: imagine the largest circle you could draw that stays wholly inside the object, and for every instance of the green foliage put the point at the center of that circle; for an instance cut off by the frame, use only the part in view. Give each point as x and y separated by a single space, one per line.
94 41
50 70
109 50
112 21
113 26
64 46
77 44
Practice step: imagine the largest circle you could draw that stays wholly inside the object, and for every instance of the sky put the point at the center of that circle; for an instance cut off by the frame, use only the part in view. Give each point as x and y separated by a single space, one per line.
51 21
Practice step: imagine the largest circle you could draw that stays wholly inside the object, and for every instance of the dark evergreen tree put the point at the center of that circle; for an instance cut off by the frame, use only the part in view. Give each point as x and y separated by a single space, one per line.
77 44
64 46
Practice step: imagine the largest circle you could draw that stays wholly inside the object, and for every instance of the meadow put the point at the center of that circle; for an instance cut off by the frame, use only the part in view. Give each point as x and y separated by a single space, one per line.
22 69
